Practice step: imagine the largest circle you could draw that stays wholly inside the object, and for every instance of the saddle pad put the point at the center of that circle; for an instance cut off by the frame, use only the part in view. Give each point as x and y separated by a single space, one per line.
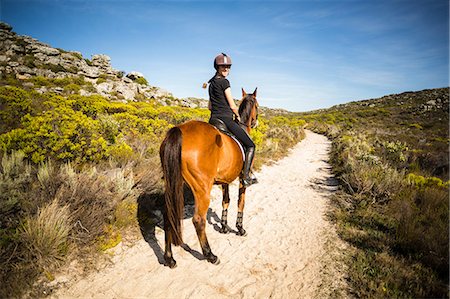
240 146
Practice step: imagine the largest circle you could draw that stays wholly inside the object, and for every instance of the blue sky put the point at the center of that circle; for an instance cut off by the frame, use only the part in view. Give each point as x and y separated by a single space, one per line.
302 55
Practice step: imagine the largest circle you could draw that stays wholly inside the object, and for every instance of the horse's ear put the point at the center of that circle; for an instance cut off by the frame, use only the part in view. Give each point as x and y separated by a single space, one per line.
244 94
254 93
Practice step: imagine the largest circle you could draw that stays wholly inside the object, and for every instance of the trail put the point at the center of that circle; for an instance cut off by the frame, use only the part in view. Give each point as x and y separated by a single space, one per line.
291 250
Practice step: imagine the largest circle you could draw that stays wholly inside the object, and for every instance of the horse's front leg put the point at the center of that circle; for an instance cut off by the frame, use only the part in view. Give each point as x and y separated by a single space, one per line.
240 215
225 229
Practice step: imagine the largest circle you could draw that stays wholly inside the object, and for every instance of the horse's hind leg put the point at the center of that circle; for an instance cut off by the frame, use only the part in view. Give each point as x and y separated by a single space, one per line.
225 229
201 207
168 256
240 215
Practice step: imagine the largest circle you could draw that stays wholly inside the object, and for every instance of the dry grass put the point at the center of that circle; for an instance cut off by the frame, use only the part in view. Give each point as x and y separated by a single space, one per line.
51 211
45 235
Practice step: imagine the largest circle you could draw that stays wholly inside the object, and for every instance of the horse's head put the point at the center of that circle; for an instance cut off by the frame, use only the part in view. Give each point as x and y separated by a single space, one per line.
248 110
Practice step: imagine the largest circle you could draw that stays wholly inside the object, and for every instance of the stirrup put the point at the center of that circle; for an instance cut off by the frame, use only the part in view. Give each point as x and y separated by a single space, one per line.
252 176
246 182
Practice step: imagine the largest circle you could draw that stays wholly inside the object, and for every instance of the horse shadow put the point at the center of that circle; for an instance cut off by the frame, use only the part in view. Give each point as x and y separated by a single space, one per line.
150 215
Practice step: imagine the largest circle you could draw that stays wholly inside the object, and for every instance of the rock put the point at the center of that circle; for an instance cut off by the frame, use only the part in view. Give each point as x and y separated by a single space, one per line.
22 69
90 72
102 61
42 89
134 75
84 93
4 26
127 80
24 57
58 89
104 88
23 77
126 91
18 49
44 49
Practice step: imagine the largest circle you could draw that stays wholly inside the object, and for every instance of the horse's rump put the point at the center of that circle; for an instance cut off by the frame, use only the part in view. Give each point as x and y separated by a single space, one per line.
207 149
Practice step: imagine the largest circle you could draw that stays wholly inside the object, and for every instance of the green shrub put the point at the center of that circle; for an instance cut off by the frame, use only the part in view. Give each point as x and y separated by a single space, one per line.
15 103
60 133
73 88
417 126
88 61
40 81
426 182
141 80
91 106
120 152
29 61
395 152
56 68
77 55
109 239
120 74
100 80
62 82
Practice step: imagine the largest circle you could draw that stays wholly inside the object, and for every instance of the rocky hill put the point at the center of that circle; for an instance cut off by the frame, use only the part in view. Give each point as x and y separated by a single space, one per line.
416 120
25 57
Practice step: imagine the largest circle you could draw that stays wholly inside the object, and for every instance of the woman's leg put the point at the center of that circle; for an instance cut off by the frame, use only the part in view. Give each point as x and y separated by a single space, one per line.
249 150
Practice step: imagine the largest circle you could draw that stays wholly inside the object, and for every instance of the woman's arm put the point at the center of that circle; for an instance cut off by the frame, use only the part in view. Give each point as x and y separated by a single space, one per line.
231 102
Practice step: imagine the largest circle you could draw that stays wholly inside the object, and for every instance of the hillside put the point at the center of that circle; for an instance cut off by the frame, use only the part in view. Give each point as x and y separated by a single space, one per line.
419 120
391 156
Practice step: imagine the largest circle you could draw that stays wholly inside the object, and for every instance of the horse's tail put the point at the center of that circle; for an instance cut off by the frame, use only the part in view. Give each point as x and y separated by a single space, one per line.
170 154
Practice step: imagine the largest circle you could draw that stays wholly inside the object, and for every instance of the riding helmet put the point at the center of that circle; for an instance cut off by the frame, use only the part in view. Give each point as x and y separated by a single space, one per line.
222 59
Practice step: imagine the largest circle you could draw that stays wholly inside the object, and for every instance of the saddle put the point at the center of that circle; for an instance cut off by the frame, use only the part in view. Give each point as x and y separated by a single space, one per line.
222 127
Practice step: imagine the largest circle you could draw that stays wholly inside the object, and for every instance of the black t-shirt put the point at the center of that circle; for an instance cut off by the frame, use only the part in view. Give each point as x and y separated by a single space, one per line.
219 103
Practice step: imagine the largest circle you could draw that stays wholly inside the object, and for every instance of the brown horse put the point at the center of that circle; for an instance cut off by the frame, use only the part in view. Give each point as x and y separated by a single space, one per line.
200 155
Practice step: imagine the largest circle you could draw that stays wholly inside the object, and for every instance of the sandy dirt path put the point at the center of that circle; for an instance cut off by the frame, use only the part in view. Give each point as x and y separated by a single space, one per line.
290 250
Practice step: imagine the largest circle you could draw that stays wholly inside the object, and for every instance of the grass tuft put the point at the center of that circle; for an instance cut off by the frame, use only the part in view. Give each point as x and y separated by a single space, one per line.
45 235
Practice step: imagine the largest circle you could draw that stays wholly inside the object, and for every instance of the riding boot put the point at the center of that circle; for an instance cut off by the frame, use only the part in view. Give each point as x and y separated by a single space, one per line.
247 180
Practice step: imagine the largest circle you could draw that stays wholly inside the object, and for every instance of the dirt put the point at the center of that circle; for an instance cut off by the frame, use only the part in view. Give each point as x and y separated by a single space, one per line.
291 250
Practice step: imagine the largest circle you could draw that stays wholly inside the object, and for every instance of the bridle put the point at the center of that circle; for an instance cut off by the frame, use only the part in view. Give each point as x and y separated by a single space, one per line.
254 121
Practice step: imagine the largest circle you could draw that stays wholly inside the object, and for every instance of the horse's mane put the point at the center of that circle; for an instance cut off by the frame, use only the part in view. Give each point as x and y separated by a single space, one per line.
245 108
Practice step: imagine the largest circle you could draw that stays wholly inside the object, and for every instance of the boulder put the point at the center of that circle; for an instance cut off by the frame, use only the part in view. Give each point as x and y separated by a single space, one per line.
4 26
134 75
88 71
104 88
128 91
102 61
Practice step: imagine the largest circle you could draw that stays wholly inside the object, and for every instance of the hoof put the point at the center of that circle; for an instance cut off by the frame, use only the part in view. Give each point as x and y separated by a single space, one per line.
241 232
170 262
213 259
225 229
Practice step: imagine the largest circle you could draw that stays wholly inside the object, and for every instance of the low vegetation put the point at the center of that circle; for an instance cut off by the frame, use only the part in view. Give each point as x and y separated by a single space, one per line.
391 156
74 166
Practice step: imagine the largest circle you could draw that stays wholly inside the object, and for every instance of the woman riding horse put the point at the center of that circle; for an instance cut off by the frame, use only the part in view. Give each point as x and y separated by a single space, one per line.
198 154
222 107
